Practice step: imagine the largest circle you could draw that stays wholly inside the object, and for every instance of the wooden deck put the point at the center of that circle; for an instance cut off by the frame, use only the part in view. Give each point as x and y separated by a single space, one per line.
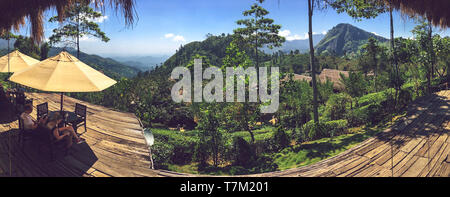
421 147
116 147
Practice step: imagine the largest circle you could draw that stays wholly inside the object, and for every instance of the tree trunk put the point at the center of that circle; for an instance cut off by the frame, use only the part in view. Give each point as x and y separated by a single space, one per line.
394 56
78 33
431 49
313 67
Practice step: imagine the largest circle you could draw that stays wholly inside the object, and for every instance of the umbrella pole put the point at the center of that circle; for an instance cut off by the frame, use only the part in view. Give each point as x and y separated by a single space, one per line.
62 100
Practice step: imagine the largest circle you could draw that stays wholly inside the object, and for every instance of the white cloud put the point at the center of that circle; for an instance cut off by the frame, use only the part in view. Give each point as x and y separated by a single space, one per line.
100 19
179 38
289 37
88 39
170 35
324 32
175 38
376 33
284 33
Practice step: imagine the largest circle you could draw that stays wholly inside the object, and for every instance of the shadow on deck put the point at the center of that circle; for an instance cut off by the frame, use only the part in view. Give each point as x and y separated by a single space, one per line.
115 145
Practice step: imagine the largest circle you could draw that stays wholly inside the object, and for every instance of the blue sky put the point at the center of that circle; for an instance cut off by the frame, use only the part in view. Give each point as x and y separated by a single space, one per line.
164 25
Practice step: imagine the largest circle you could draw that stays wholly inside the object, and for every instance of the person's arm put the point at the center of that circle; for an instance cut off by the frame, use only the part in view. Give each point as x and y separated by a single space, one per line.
43 120
57 136
27 122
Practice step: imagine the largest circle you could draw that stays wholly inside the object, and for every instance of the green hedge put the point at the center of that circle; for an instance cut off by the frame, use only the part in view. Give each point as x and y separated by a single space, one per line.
181 146
312 131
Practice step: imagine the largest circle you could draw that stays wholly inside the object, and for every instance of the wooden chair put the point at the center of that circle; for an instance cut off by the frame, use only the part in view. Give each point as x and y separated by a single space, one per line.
80 111
47 140
42 110
24 135
20 101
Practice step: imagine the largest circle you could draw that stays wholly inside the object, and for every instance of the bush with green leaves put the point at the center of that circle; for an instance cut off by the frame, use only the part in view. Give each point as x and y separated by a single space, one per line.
313 131
244 154
162 153
280 139
336 107
182 147
295 103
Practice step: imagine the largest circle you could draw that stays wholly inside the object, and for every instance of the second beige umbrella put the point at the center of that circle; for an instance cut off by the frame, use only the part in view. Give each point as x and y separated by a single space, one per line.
16 61
63 73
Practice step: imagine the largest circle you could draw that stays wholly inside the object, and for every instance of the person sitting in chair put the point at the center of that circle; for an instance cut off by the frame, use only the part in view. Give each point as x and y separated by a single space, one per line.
28 122
60 133
3 94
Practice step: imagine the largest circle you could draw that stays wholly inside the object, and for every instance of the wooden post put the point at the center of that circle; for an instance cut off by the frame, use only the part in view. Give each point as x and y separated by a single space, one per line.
62 100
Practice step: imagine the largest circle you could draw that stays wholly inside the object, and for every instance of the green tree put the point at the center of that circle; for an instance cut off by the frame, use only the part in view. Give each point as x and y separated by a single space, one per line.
27 46
311 6
45 48
355 84
423 35
372 58
240 115
79 22
259 31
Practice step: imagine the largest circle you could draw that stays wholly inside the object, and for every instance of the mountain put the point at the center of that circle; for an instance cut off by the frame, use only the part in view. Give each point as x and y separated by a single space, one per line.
108 66
291 45
143 63
345 39
4 43
213 48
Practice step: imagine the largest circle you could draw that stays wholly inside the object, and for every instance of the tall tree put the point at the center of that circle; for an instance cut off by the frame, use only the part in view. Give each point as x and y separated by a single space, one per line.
311 6
371 52
45 48
259 31
79 22
423 35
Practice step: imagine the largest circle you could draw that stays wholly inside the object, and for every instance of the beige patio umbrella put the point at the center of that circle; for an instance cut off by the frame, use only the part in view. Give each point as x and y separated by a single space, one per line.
16 61
63 73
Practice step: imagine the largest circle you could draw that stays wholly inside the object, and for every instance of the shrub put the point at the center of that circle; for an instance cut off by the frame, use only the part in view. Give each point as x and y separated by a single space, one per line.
336 106
280 139
183 146
368 114
201 154
162 152
313 131
404 98
244 155
336 127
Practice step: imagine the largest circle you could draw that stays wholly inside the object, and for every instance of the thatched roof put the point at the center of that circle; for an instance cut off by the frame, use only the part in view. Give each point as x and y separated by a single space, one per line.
334 76
436 11
13 13
330 74
298 77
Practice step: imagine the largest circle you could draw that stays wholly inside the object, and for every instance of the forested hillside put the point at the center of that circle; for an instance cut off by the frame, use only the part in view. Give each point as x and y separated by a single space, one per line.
345 39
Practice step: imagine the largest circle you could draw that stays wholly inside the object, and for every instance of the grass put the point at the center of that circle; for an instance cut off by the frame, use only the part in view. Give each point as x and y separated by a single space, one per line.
311 152
301 154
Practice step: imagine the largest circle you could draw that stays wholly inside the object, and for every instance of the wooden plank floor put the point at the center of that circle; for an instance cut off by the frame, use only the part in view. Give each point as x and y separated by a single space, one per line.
114 146
419 143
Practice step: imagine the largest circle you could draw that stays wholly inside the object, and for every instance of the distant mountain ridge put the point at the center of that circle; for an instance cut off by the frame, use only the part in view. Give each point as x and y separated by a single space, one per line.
4 43
108 66
291 45
345 39
143 63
